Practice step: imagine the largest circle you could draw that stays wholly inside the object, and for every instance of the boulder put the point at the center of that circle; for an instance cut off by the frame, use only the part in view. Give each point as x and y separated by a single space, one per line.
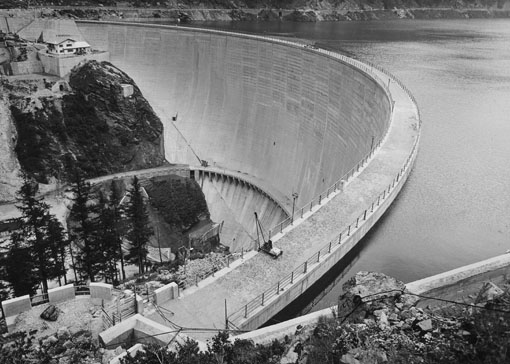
488 292
50 313
349 359
367 287
50 340
425 325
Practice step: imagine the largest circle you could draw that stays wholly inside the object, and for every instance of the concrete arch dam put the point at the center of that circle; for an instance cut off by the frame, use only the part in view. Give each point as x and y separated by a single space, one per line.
288 118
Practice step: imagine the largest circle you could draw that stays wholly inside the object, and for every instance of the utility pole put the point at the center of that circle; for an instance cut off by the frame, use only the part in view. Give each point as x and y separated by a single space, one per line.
294 197
226 316
159 244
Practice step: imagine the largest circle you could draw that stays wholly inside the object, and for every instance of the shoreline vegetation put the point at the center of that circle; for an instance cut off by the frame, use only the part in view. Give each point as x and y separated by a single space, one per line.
258 10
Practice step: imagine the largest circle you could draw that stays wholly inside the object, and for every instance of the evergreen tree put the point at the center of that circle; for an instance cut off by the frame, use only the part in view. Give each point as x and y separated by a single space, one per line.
139 230
36 217
118 223
19 267
106 235
57 240
83 231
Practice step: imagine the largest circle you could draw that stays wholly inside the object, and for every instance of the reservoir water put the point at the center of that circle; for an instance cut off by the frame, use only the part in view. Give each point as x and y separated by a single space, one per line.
455 208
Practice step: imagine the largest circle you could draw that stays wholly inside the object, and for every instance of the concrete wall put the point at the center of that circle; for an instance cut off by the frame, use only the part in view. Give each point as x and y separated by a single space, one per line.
456 275
61 294
294 118
61 66
234 201
102 291
16 305
166 293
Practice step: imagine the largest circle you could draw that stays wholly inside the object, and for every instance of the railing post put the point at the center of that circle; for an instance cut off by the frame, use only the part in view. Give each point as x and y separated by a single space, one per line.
349 231
311 205
378 199
329 249
318 256
340 239
357 222
245 311
365 215
281 227
384 194
302 212
306 267
292 277
372 209
320 199
242 253
263 298
278 288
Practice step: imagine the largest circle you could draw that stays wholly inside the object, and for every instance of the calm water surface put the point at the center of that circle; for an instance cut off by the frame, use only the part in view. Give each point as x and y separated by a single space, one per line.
455 208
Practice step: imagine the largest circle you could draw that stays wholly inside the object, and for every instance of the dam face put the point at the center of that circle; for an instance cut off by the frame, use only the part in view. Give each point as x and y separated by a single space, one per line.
294 119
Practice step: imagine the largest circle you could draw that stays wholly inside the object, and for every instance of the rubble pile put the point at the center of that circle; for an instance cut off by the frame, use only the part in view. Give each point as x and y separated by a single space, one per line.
378 321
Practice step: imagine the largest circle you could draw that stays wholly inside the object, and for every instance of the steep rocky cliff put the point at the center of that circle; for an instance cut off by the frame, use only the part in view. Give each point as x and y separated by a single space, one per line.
9 165
101 124
287 10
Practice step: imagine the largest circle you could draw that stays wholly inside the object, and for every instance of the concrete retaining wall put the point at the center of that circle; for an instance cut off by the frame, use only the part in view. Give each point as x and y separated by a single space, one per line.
16 305
166 293
60 294
459 274
102 291
292 117
61 66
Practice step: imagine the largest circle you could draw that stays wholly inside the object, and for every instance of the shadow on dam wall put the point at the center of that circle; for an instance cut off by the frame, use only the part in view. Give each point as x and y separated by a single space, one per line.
234 202
294 119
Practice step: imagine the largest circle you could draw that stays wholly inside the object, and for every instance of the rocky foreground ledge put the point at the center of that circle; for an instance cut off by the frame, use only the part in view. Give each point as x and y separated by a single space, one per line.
378 321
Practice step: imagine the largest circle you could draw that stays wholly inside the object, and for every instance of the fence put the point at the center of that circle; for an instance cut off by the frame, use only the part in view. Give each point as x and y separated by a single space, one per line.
119 310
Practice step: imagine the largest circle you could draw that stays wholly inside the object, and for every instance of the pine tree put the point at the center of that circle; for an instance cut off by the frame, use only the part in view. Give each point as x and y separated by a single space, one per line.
20 270
83 232
58 242
118 223
139 230
33 236
106 235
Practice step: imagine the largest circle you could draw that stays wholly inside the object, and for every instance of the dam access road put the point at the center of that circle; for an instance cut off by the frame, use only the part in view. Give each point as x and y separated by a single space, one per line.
297 118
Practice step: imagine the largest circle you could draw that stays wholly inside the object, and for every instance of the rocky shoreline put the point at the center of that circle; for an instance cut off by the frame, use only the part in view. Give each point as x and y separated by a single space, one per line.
184 15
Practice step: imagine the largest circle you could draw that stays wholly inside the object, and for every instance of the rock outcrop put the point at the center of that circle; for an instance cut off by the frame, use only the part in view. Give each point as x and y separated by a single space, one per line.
9 165
378 321
100 124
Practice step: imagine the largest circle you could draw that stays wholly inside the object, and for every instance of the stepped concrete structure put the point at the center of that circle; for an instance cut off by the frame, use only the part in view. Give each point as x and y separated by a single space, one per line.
291 120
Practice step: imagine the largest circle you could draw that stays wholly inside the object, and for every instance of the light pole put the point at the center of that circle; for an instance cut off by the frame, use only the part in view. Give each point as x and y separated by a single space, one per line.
294 197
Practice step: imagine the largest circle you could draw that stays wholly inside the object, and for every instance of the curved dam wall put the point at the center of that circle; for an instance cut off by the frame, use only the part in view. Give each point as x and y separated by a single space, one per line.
295 119
234 200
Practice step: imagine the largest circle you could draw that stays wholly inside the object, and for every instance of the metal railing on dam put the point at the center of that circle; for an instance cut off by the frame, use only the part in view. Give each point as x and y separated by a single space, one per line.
268 295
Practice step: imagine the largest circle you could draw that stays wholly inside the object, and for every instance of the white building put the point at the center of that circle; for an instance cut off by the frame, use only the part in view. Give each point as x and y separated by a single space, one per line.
61 44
